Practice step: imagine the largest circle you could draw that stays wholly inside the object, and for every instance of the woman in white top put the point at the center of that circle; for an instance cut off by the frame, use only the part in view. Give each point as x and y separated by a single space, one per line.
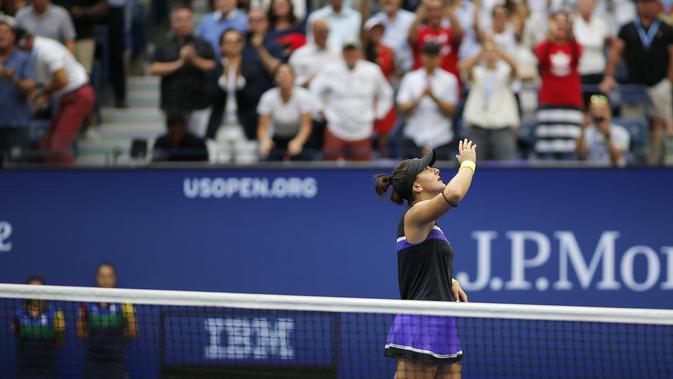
593 33
284 118
490 110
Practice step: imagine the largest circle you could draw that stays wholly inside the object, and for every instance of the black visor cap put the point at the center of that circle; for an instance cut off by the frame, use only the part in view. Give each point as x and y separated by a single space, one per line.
416 166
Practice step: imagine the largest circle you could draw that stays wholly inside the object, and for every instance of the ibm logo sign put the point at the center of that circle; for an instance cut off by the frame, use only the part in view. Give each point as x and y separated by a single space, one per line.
5 234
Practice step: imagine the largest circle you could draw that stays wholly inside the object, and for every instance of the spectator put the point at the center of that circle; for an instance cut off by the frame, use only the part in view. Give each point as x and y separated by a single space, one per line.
261 55
63 78
500 31
179 144
105 329
467 13
39 330
5 14
593 34
344 23
352 93
47 20
646 39
377 52
224 17
85 15
183 62
491 110
298 7
560 97
285 29
116 23
601 141
428 98
430 27
233 122
309 59
17 81
396 22
284 119
615 13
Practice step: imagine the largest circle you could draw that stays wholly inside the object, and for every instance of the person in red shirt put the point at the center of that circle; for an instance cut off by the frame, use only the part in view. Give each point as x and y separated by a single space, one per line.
384 57
560 98
429 26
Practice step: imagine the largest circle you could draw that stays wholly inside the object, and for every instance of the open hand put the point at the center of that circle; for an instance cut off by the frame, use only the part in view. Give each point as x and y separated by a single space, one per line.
467 151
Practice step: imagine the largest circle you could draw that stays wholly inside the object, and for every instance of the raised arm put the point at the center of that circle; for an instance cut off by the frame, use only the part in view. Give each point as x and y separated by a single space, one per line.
424 213
131 330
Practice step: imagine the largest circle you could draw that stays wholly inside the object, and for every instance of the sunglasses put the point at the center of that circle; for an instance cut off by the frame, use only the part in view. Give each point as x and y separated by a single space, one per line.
598 99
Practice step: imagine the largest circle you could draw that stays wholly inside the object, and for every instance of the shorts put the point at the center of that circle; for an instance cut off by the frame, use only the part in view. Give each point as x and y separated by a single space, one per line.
424 338
660 105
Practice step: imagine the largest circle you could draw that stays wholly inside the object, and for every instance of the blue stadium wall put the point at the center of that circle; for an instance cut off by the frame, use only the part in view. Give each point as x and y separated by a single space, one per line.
593 237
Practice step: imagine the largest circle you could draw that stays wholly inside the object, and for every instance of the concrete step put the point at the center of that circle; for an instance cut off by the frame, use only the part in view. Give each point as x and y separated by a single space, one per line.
143 83
131 130
143 99
132 116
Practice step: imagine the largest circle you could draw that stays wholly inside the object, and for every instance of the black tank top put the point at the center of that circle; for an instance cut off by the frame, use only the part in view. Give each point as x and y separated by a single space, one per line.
424 269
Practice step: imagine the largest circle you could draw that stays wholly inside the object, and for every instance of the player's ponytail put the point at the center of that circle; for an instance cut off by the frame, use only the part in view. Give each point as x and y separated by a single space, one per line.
383 182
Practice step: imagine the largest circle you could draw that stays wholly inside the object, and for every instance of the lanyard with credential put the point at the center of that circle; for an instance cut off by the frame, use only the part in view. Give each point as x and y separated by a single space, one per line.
647 38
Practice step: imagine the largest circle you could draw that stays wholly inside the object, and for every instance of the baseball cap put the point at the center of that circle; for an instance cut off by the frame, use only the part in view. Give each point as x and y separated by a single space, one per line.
351 43
372 22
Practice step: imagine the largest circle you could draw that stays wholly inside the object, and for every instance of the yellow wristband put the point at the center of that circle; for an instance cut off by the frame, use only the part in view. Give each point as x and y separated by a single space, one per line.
454 281
469 164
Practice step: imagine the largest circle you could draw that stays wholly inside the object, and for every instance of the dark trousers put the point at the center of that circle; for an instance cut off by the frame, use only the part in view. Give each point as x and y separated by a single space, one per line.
117 45
445 152
279 151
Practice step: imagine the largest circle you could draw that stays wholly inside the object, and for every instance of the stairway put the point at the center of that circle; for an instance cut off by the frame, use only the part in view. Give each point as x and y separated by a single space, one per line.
110 143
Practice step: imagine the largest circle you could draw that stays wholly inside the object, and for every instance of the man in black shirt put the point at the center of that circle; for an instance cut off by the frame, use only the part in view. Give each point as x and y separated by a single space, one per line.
178 144
184 63
646 44
85 15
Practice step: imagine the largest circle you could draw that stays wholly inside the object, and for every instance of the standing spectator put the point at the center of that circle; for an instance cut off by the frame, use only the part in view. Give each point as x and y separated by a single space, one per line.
309 59
39 330
429 26
85 15
559 114
468 15
183 61
285 29
500 30
225 16
298 7
63 78
233 121
593 34
344 23
646 39
491 110
261 55
377 52
353 93
602 141
117 45
428 98
105 329
179 144
286 110
47 20
17 81
615 13
396 22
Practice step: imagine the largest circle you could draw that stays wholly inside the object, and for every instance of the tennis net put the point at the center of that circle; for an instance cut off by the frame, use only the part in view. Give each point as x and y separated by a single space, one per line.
52 331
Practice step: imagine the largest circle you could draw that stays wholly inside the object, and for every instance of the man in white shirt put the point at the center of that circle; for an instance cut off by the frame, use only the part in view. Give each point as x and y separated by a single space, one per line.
428 97
60 76
396 22
308 60
601 141
353 93
344 23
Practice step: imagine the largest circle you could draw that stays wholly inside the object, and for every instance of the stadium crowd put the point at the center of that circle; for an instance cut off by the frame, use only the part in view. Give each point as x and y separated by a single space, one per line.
357 80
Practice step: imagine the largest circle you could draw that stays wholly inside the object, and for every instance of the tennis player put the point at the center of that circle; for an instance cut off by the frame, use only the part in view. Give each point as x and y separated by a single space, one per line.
426 347
106 328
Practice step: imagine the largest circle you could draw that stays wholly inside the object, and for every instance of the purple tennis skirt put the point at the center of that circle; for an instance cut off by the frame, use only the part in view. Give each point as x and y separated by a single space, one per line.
429 338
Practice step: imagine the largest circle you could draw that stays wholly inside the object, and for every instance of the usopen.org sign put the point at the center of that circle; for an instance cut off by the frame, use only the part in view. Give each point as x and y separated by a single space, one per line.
250 188
602 266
